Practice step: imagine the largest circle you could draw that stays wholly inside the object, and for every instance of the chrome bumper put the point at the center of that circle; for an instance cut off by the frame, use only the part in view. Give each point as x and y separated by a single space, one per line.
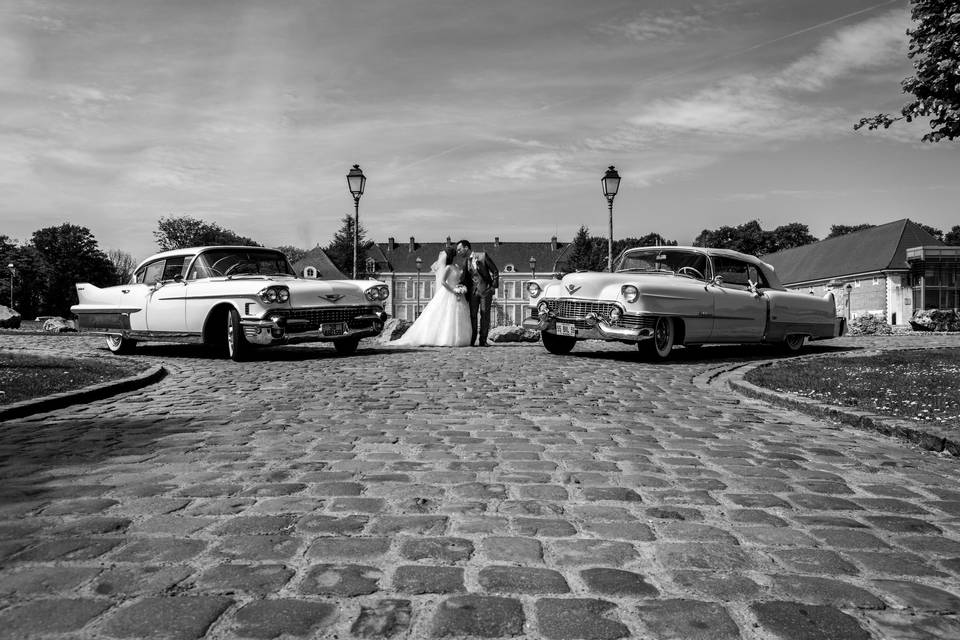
272 331
597 329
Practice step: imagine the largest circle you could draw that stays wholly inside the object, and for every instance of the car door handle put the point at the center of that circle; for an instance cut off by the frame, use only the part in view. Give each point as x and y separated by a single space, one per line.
125 290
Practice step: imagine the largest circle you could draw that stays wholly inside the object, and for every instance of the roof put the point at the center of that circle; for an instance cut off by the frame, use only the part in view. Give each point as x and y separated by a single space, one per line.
400 259
190 251
319 260
873 250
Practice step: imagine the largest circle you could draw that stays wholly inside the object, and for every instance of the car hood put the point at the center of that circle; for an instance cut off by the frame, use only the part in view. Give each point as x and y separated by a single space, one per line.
303 292
594 285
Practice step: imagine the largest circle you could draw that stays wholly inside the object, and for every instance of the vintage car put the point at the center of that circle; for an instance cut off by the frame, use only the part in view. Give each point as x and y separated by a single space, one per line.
231 298
659 297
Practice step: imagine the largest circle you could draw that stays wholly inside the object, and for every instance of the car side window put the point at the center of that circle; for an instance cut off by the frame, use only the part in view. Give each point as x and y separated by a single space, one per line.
735 273
152 272
174 267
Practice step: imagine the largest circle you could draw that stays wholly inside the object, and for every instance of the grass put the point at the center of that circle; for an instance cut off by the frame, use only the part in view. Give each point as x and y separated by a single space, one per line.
24 376
919 384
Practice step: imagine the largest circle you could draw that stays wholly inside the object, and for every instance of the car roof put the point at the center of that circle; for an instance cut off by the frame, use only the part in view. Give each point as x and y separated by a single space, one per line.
192 251
767 269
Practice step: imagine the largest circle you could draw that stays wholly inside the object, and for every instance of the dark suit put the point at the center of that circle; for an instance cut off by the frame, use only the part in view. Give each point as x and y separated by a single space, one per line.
481 278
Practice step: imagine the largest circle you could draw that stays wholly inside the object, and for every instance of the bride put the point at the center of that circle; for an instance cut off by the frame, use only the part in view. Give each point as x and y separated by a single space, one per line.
445 321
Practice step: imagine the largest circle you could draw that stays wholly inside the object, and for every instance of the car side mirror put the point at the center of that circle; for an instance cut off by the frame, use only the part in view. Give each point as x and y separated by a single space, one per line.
178 278
717 281
754 288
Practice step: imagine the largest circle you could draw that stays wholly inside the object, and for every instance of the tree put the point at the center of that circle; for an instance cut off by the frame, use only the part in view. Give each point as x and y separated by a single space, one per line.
123 264
584 253
935 84
952 237
184 231
936 233
752 239
340 250
837 230
72 255
293 253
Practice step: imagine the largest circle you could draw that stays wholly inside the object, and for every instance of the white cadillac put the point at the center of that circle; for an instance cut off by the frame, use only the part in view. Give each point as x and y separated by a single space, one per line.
659 297
231 298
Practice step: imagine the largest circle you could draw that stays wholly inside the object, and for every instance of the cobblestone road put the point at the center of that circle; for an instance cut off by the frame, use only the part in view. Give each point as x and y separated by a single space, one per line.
467 492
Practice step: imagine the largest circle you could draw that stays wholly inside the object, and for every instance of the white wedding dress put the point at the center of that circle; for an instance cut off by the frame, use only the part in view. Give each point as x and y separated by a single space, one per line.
445 321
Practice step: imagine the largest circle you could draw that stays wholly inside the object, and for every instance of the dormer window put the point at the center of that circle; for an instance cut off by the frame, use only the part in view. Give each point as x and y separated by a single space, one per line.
310 272
509 269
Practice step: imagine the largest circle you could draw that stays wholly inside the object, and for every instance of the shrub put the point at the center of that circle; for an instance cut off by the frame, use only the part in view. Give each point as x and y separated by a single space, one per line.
869 325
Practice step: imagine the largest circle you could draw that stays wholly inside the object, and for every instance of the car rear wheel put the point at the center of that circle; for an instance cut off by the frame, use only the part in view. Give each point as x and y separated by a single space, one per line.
558 345
346 346
661 344
237 346
794 343
120 345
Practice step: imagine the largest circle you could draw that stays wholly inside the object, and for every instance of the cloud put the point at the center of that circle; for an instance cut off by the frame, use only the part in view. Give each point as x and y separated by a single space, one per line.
872 44
767 107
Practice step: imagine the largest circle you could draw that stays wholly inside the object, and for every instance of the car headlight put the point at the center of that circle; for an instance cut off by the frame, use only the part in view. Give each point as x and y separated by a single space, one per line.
534 289
271 295
630 293
377 293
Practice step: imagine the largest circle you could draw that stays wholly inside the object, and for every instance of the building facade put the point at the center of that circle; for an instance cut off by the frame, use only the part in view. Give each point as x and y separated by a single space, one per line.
405 268
889 270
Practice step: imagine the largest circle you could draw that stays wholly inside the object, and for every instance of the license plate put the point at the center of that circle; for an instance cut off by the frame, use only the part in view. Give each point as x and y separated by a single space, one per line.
565 329
333 329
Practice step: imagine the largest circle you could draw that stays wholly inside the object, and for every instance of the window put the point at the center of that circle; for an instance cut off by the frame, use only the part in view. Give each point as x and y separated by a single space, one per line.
309 272
151 273
508 269
738 273
400 289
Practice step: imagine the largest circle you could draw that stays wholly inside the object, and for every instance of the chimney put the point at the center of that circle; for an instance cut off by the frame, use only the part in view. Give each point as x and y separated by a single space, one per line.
496 241
553 243
391 244
413 244
449 242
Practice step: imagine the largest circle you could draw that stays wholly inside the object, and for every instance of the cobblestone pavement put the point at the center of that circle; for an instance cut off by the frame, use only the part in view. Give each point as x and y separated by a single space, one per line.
467 492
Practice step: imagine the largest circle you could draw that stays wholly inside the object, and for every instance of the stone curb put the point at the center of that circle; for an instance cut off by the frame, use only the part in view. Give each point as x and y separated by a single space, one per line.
911 430
86 394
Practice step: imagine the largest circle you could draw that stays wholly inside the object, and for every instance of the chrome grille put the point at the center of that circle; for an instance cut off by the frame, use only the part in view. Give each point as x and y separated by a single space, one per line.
315 316
575 312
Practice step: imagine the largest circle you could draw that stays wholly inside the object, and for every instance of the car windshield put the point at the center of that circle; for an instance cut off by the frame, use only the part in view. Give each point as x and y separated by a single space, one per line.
664 260
239 262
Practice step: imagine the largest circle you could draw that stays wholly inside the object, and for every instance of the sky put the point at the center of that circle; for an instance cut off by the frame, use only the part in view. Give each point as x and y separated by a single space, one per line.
469 119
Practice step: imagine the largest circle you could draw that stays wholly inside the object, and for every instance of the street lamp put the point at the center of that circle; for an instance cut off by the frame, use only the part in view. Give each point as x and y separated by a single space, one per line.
12 272
356 181
611 183
533 268
419 266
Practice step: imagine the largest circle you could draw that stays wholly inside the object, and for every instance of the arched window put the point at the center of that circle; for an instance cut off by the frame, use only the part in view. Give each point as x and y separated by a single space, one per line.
509 269
310 272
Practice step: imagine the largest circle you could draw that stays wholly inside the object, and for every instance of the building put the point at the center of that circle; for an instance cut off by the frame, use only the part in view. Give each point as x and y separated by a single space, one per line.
891 270
316 264
405 268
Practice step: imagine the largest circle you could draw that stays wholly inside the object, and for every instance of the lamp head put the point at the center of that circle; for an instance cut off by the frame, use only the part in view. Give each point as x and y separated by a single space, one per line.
610 182
356 181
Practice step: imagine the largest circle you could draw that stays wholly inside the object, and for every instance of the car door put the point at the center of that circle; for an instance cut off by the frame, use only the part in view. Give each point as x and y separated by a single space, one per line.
740 314
166 304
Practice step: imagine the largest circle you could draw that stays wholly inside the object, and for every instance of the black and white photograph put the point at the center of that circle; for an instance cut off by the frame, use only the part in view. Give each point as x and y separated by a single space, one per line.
447 319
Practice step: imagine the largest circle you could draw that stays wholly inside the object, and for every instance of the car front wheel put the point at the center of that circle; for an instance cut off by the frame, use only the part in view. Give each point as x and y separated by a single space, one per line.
120 345
237 346
346 346
558 345
661 344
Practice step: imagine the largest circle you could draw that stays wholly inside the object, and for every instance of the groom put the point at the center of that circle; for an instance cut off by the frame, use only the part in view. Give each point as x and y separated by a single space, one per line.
481 278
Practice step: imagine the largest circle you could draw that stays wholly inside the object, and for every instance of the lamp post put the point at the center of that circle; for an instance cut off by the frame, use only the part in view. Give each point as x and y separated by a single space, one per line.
356 181
12 272
533 268
419 266
611 183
